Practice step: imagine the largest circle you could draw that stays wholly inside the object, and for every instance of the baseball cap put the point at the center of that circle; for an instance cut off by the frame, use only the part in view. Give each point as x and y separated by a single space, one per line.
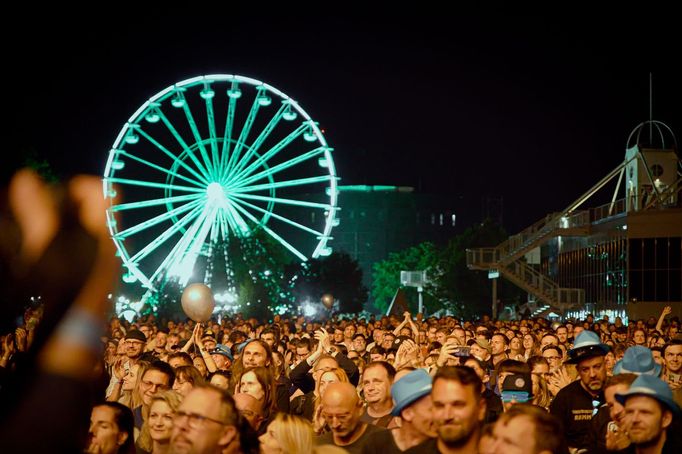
518 387
224 350
136 334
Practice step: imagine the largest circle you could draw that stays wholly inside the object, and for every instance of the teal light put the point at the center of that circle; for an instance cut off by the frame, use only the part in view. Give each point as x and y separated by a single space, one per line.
192 180
178 102
152 117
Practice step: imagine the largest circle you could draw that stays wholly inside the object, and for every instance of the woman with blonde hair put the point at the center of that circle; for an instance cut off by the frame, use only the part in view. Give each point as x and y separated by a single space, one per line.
287 434
157 429
128 392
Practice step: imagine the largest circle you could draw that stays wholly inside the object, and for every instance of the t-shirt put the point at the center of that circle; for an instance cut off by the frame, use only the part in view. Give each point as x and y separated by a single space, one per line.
574 406
355 447
384 421
382 442
429 446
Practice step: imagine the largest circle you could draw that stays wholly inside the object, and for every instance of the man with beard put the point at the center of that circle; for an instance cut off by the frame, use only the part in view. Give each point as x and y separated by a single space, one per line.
458 412
649 412
577 403
412 395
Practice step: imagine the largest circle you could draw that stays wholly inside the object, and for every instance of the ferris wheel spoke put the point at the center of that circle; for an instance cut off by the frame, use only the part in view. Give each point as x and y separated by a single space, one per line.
229 124
160 169
170 231
213 136
271 152
156 220
244 134
277 216
198 139
174 132
261 138
273 234
150 184
174 157
154 202
283 184
184 266
279 167
171 258
302 203
240 225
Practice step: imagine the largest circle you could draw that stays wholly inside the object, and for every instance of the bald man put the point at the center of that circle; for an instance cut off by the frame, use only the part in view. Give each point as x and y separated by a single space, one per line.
342 409
250 408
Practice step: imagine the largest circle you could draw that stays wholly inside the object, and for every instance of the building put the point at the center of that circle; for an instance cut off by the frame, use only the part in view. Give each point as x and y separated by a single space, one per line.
619 258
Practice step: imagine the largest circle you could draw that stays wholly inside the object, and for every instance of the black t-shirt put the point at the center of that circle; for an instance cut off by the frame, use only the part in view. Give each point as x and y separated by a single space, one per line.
574 407
355 447
493 406
382 442
426 447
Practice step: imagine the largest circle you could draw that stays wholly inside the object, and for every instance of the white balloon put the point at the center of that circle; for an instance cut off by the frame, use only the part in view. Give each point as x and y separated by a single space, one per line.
198 302
328 300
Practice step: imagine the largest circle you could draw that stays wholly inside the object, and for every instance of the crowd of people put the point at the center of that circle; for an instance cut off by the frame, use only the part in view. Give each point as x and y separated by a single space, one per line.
391 384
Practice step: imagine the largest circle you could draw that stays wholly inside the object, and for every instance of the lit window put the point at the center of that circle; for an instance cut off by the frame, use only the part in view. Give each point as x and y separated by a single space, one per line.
454 218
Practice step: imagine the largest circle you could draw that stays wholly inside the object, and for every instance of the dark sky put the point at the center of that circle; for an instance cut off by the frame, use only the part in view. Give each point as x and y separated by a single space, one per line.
530 109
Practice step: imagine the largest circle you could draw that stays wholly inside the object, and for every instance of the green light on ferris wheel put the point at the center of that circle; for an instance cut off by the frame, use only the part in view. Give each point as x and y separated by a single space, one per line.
208 158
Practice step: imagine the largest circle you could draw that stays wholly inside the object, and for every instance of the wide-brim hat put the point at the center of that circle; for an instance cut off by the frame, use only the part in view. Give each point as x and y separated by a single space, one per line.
587 345
651 386
410 388
637 360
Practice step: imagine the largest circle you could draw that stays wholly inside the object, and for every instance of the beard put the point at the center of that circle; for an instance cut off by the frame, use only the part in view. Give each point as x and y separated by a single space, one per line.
596 385
456 435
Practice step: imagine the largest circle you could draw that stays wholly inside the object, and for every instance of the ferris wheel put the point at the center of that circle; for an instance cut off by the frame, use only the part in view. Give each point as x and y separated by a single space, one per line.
215 157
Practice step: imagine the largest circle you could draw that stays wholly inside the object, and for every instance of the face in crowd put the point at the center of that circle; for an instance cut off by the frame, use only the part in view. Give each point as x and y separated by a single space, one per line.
105 436
457 411
376 384
592 372
341 410
201 423
254 354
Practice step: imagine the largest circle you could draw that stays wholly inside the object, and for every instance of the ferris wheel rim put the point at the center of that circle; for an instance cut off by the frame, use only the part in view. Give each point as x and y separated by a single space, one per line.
132 124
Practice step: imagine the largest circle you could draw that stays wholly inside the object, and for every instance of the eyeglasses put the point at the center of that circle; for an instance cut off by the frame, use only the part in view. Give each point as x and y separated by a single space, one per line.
194 420
552 358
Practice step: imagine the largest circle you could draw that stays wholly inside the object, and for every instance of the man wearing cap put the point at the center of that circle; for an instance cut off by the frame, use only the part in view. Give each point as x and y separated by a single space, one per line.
516 389
412 397
575 404
208 339
481 349
222 357
649 412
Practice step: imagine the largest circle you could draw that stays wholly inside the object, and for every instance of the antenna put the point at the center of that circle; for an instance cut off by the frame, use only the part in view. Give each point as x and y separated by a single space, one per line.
651 109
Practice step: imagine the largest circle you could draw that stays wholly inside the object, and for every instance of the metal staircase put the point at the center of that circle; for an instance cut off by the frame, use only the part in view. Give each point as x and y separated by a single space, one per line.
508 259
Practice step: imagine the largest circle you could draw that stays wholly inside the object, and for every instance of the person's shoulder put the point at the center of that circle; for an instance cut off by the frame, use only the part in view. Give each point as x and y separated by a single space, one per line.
325 439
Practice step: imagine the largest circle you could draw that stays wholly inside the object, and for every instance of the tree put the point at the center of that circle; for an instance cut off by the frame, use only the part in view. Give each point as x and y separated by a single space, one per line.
386 274
337 274
468 292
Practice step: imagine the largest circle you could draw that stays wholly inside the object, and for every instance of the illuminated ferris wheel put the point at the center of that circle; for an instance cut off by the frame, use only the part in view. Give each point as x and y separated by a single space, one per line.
211 158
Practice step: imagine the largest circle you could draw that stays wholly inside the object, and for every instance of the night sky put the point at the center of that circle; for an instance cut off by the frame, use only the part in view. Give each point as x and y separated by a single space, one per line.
533 110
